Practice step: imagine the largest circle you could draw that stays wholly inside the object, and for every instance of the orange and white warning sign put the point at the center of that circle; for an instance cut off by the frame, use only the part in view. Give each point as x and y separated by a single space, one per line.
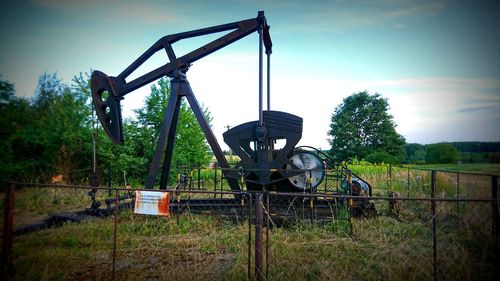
152 203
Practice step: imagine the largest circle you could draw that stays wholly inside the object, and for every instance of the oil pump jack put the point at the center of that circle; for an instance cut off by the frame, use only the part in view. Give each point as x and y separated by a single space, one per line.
261 165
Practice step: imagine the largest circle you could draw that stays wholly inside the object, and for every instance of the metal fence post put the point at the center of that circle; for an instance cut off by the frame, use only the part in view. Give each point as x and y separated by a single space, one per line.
349 201
109 179
8 230
115 229
258 236
215 181
494 205
311 202
326 179
250 218
390 175
433 207
221 182
268 218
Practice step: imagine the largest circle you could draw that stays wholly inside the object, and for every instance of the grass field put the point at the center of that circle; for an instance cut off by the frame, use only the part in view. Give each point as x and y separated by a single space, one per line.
196 247
484 168
204 247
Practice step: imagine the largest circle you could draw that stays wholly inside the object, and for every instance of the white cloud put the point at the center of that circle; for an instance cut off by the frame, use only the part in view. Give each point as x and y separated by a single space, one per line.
424 109
345 16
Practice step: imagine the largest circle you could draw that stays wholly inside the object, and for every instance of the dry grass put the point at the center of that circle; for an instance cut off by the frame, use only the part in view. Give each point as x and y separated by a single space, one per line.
203 247
200 247
149 248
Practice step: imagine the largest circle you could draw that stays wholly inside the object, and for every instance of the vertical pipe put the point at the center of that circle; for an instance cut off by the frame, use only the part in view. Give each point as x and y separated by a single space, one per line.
258 237
260 73
268 82
8 230
433 207
494 205
115 235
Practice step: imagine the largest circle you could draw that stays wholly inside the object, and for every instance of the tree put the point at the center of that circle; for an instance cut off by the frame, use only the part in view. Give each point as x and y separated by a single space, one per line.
361 126
15 115
415 153
441 153
7 91
48 135
379 157
48 88
57 139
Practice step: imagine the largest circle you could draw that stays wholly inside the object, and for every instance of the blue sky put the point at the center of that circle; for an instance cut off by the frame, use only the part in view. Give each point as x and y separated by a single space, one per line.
437 62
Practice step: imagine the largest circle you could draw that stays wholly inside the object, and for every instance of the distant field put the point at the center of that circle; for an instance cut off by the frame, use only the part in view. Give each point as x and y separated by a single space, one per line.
483 168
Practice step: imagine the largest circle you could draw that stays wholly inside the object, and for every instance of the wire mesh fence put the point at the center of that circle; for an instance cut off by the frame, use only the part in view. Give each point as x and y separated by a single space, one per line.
86 233
418 242
439 226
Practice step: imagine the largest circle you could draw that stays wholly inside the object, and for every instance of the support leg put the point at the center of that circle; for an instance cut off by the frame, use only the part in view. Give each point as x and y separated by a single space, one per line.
162 139
170 146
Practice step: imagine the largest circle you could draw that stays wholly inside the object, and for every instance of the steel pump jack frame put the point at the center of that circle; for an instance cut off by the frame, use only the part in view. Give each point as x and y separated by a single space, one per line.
108 91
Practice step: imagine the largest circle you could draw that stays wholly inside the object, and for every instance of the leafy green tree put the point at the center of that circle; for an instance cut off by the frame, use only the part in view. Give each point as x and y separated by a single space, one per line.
58 138
128 158
361 125
46 136
15 115
441 153
380 157
49 87
415 153
7 91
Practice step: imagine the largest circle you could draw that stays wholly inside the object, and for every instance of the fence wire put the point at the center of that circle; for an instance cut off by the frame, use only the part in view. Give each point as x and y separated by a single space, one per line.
389 246
442 230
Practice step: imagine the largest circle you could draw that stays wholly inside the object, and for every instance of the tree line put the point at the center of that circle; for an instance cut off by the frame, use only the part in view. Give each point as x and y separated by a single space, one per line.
53 132
453 152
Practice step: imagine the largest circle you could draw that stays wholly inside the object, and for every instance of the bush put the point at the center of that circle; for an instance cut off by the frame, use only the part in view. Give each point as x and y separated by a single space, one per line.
441 153
379 157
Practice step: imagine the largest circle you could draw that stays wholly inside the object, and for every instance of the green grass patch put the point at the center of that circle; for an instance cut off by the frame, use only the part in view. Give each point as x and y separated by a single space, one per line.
202 247
480 168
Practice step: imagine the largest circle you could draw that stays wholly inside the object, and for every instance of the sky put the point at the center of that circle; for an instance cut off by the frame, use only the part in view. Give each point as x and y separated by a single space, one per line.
437 62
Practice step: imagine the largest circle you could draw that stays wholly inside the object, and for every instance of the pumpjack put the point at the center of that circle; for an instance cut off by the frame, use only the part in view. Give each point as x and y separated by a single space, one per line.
262 166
